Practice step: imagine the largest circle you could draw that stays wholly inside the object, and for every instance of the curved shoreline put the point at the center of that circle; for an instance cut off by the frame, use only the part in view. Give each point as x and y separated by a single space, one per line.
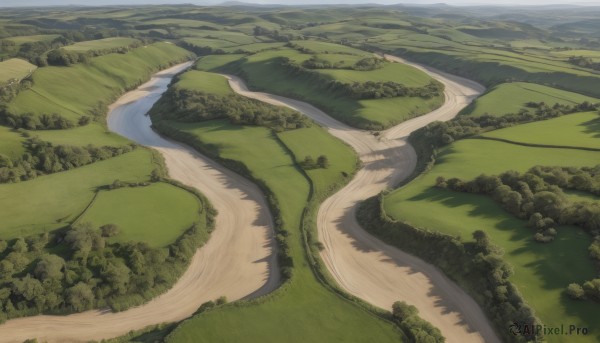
244 225
365 266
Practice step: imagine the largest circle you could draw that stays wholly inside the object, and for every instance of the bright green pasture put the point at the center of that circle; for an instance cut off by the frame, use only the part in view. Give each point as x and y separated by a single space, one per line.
52 201
577 130
11 143
304 303
396 72
93 133
512 97
74 91
264 73
15 68
157 214
101 44
215 62
542 271
204 82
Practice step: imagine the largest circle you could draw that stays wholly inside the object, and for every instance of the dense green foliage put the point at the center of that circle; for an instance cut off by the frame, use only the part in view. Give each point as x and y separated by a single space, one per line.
192 106
516 97
478 267
79 268
45 158
419 331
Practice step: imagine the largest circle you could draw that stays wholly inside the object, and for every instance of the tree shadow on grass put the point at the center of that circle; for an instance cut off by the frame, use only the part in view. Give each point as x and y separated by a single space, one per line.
592 127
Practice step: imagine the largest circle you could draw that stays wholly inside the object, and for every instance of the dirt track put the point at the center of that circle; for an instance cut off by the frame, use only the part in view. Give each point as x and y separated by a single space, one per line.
236 262
365 266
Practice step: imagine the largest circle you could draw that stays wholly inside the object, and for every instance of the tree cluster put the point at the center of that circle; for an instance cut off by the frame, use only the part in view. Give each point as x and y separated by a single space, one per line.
389 89
31 121
45 158
538 195
585 62
192 106
87 271
417 329
310 163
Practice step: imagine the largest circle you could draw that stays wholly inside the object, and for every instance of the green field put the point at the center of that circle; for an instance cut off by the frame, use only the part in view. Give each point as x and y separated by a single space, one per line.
11 143
15 68
593 54
512 97
542 271
304 303
53 201
341 157
102 44
76 90
93 133
263 72
157 214
576 130
201 81
19 40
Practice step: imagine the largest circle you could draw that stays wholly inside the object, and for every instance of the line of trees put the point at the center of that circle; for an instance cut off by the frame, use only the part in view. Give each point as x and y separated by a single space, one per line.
192 106
365 64
43 157
363 90
419 330
388 89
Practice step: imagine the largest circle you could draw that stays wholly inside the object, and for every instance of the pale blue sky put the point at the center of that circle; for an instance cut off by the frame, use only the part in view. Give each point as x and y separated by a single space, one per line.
290 2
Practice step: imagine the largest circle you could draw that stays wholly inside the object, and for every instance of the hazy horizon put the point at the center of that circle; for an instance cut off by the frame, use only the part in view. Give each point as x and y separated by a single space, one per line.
20 3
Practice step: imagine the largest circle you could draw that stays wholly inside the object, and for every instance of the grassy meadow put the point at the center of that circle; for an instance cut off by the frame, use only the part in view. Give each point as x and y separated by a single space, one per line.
75 91
542 271
53 201
575 130
15 68
11 143
156 214
512 97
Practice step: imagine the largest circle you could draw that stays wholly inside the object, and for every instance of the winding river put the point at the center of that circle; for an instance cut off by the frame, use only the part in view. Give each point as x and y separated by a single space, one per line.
238 259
